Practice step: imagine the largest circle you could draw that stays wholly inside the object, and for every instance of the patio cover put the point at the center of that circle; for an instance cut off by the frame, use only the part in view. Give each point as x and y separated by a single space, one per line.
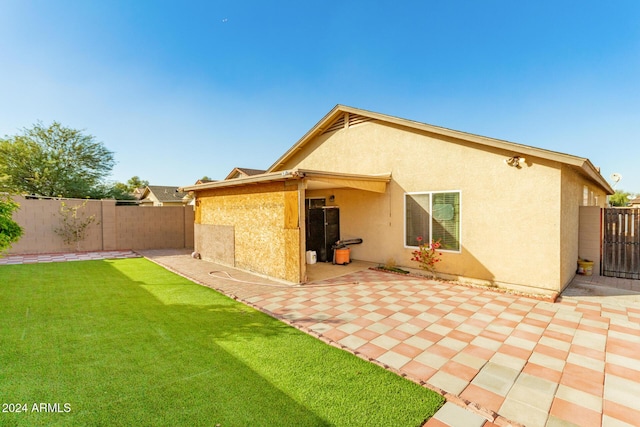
314 179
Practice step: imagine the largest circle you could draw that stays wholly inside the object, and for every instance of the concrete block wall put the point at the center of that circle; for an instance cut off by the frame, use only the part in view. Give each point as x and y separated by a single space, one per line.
115 227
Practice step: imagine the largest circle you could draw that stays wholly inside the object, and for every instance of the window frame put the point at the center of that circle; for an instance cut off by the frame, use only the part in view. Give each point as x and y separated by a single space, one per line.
430 238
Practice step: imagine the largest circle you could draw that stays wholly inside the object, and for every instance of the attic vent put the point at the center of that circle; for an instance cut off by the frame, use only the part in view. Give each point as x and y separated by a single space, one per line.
352 120
338 124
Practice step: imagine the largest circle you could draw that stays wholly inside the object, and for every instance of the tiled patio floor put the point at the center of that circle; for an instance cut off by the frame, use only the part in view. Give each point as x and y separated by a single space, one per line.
504 358
498 358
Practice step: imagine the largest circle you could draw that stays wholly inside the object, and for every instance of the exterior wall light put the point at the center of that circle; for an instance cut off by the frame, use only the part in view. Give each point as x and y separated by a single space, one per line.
515 161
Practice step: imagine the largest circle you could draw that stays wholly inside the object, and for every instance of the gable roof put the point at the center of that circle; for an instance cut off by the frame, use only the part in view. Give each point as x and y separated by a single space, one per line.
242 172
343 116
164 193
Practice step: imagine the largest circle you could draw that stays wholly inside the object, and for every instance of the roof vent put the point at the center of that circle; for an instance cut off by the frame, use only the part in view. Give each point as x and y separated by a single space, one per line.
349 119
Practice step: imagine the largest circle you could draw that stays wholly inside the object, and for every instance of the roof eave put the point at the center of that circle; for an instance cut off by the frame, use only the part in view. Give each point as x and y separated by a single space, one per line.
295 174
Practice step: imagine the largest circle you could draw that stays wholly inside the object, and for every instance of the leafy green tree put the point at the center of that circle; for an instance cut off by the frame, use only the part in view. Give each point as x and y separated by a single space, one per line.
54 161
122 191
10 231
110 190
619 198
135 182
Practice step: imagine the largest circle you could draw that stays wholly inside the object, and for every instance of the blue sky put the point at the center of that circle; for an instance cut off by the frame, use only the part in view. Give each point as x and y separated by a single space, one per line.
179 90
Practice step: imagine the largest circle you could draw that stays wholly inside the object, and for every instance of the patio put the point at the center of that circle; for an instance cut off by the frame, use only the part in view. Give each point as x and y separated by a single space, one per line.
504 359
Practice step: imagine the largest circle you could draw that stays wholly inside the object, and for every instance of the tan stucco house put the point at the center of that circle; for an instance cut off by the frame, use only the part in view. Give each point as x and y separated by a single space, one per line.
506 214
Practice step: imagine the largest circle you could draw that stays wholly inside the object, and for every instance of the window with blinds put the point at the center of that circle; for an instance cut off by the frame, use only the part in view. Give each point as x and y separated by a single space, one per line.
433 216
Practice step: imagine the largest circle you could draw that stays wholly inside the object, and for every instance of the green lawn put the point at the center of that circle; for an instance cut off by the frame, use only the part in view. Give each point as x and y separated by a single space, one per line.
125 342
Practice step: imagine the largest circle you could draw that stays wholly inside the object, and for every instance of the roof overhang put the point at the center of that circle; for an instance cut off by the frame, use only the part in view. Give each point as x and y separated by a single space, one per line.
313 179
582 164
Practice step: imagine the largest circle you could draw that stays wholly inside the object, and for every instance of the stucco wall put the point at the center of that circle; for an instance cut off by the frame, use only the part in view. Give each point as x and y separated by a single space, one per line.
510 218
573 184
265 226
590 235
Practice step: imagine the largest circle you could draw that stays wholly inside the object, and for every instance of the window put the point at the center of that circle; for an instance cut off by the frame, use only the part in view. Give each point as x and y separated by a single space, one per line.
433 216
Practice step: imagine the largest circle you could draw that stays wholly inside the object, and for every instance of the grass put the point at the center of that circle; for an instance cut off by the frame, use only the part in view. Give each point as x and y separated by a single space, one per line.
125 342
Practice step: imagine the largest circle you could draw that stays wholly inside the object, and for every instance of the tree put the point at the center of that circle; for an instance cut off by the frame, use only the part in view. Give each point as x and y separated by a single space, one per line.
10 231
135 182
619 198
54 161
121 191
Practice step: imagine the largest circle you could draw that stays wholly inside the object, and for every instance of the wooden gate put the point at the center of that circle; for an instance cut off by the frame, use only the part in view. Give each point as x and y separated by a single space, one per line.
621 245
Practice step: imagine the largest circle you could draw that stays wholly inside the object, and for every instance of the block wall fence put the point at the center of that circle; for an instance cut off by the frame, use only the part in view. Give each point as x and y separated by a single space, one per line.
114 228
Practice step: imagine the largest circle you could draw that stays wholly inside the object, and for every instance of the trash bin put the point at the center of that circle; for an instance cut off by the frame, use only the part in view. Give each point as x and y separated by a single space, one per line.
585 267
342 256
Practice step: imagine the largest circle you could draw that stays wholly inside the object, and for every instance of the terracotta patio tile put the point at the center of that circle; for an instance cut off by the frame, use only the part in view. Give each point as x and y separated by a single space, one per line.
398 334
525 335
335 334
622 372
482 397
465 372
557 335
588 312
468 313
543 312
625 329
606 309
461 336
589 352
590 303
514 351
407 350
390 322
493 335
505 322
550 351
575 414
443 351
384 311
429 336
358 311
421 323
583 327
436 312
448 323
410 311
583 379
620 412
434 422
371 350
366 334
333 312
535 322
479 352
565 323
542 372
362 321
477 322
622 348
